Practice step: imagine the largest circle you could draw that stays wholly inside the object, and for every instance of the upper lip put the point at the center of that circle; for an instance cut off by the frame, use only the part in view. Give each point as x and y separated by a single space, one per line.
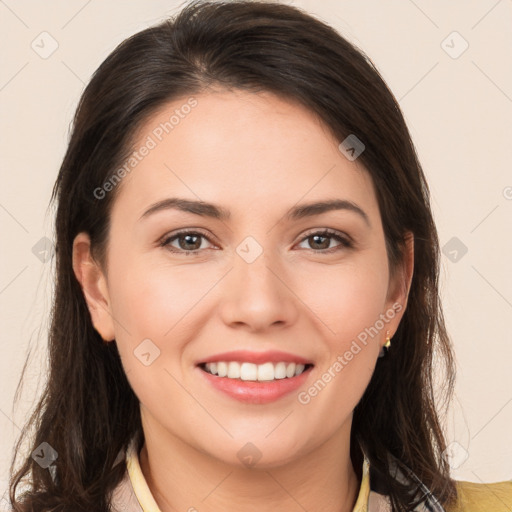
272 356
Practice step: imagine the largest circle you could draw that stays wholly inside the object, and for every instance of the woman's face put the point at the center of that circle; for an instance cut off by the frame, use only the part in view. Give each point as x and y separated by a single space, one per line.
261 279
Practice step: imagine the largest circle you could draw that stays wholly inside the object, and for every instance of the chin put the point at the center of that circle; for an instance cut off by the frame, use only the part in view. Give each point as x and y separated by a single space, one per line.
258 454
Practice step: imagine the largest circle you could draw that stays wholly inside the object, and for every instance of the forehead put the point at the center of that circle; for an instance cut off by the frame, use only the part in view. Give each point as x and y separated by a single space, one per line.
245 150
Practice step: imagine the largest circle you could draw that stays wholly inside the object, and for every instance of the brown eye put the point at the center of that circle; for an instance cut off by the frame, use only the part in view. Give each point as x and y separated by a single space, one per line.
320 241
189 242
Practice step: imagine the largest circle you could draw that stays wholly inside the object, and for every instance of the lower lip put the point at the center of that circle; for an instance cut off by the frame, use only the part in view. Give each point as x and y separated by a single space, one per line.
256 392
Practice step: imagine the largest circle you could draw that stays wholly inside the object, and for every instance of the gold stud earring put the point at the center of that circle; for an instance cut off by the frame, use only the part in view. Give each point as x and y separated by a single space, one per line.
385 348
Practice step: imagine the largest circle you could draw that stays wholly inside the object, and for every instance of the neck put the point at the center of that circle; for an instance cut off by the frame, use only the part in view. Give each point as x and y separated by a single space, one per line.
182 478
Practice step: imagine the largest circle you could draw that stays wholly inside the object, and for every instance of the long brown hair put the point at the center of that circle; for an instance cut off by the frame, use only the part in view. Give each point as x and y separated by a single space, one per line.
88 412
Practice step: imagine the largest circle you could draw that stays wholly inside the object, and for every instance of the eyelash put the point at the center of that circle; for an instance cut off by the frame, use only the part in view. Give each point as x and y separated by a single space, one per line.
345 242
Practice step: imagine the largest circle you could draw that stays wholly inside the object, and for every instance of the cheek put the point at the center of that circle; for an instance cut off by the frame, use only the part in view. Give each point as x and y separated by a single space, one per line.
351 310
347 301
154 297
346 298
156 300
152 305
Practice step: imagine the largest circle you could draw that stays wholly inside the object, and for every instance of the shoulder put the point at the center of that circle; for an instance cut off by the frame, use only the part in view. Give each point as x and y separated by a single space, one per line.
482 497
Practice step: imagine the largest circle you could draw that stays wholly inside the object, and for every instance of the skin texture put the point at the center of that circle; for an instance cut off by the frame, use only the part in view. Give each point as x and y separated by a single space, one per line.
256 155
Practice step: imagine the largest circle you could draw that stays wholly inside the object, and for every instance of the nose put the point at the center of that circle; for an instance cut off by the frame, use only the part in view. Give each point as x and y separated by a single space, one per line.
257 292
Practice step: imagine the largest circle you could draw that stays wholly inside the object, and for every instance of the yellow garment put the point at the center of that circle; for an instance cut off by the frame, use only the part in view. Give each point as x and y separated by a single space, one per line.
140 486
475 497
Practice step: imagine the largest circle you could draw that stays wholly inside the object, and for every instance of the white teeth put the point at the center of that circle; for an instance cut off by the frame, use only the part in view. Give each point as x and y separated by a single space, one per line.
266 371
250 371
299 369
222 369
280 370
233 370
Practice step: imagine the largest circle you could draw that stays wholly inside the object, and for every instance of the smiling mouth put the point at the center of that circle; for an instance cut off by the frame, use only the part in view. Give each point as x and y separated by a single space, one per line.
244 371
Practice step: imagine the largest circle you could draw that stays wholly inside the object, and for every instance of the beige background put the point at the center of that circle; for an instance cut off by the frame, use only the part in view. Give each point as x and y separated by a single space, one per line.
459 111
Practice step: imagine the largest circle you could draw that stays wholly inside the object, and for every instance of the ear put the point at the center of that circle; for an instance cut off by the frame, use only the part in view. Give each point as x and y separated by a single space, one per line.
399 286
94 286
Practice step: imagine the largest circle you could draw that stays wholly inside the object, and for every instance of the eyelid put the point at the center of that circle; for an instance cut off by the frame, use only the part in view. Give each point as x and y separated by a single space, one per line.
328 231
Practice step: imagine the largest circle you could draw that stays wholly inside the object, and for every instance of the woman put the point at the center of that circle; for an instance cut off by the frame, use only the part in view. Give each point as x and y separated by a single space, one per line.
246 307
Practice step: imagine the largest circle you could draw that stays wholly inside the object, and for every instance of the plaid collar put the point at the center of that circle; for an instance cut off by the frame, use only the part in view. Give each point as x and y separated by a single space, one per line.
423 497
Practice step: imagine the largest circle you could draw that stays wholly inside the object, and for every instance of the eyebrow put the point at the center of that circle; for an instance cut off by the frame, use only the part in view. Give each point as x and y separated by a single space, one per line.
205 209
